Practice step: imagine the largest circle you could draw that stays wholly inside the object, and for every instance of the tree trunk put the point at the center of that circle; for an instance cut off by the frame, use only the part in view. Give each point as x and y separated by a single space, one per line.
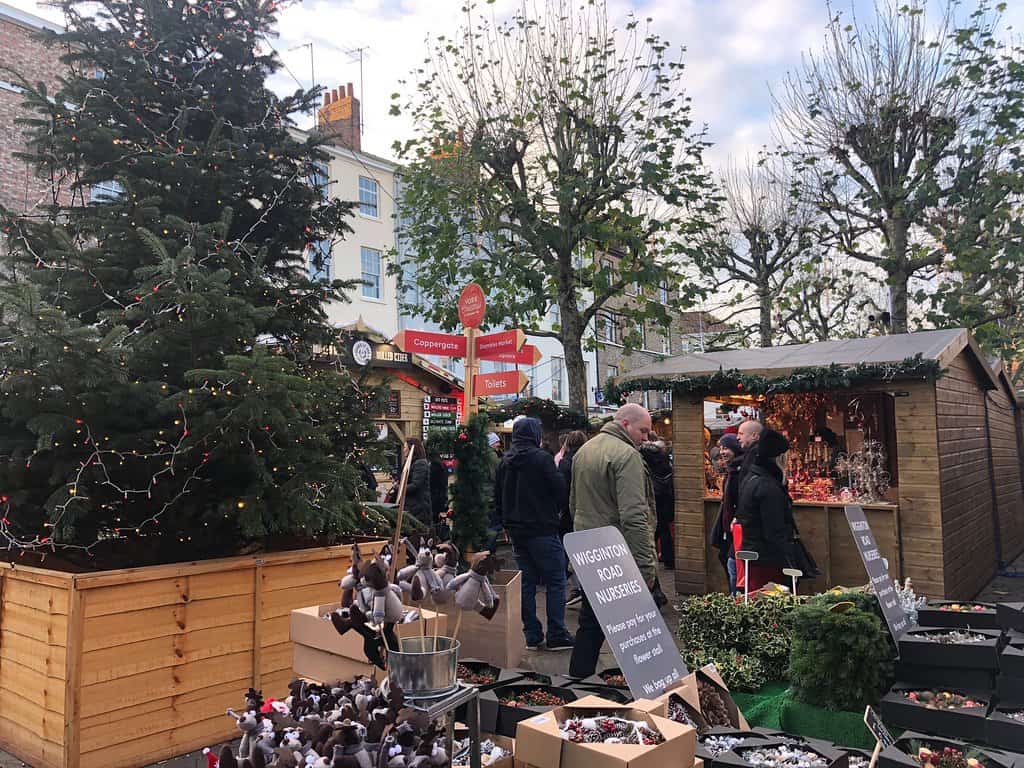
572 347
764 300
898 279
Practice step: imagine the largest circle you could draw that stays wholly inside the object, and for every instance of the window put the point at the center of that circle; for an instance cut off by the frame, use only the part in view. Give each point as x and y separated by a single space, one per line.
557 372
666 345
530 392
685 345
641 331
613 372
663 292
609 329
368 197
318 260
371 272
108 191
555 315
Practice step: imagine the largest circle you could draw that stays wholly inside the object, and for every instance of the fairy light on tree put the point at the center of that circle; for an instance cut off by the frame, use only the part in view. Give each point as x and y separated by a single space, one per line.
156 366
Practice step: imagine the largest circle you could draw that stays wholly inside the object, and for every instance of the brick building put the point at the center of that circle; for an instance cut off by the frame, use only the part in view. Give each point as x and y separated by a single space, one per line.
687 333
22 51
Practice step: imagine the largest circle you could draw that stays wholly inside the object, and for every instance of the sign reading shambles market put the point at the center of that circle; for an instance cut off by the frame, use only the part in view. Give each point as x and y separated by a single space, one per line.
642 643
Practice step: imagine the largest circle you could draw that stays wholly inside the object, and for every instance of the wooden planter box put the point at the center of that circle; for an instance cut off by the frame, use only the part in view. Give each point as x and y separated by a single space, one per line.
500 640
117 669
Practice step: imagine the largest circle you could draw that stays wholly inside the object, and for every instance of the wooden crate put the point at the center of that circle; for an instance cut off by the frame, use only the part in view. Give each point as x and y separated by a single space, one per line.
122 668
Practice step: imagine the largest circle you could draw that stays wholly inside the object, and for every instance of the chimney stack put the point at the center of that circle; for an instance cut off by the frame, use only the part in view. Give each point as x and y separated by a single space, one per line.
339 118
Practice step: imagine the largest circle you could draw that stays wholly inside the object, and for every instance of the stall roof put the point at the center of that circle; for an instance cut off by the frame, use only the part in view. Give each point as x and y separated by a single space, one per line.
941 346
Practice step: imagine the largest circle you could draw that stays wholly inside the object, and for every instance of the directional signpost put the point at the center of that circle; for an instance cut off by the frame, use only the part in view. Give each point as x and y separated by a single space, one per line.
501 346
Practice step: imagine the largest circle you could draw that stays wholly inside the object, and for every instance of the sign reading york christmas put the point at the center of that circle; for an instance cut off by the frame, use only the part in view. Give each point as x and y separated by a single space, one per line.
633 626
878 571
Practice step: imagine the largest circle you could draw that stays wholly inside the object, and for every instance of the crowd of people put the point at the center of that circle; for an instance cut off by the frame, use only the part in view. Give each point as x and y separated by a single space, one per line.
621 477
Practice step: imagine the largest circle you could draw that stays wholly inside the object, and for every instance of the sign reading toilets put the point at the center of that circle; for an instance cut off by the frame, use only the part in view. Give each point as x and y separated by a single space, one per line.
642 643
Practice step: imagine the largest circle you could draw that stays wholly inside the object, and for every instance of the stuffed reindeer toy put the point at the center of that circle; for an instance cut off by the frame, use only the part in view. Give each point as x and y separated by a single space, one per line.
419 579
446 567
473 590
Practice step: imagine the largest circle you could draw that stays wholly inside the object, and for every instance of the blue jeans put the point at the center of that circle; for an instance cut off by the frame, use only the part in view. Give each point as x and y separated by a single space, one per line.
542 561
730 566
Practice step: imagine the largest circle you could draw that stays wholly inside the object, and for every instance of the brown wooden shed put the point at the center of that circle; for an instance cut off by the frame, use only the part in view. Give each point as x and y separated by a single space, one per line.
951 423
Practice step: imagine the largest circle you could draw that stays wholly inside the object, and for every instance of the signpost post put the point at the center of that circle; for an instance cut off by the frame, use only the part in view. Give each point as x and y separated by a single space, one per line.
633 626
878 571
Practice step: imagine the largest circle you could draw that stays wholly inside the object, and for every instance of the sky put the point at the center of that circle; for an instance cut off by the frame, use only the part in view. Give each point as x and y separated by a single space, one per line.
736 51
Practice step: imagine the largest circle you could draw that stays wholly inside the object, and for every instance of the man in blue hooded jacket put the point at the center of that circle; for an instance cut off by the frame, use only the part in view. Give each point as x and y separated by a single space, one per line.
527 492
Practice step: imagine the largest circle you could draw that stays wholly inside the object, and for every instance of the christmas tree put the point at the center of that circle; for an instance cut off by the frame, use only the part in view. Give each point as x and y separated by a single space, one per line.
160 396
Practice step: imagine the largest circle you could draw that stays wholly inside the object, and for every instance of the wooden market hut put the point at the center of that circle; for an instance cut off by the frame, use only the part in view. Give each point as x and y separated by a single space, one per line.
950 422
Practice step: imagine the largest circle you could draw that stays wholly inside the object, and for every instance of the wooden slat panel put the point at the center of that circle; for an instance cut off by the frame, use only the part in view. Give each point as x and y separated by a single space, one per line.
149 749
38 597
164 683
46 692
123 628
33 654
33 718
283 601
38 625
29 747
109 728
276 658
274 578
126 598
168 651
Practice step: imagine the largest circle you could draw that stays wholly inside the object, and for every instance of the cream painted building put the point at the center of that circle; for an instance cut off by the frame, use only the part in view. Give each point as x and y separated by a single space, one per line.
369 182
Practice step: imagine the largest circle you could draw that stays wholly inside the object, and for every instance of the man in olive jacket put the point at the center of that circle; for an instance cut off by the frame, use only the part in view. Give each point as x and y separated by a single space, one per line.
611 486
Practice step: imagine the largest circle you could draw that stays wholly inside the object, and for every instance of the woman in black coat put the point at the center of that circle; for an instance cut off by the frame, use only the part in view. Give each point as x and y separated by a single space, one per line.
765 511
417 491
660 468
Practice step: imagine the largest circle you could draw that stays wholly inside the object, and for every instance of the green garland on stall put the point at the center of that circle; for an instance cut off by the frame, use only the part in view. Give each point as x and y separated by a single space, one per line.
812 379
552 416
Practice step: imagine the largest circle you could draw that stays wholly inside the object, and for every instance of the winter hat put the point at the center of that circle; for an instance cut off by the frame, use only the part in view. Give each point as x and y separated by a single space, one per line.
493 439
731 442
772 444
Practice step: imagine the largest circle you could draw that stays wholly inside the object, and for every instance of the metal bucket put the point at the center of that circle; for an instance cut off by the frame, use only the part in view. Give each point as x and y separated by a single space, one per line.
425 667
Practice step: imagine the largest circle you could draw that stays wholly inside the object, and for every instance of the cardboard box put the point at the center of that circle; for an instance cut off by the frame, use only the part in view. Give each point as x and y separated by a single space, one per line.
496 717
1010 616
320 653
946 677
962 723
684 693
983 655
932 615
618 695
539 741
500 640
710 674
899 755
509 745
1003 731
501 676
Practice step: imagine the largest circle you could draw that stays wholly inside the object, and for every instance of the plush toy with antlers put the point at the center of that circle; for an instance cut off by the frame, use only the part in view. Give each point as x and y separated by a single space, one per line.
473 590
446 567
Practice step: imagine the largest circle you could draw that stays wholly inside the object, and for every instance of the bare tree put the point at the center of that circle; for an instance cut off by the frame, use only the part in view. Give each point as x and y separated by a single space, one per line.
562 140
765 229
827 298
890 127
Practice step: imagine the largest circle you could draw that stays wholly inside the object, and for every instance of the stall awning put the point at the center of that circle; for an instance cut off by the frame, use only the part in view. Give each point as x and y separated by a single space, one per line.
941 346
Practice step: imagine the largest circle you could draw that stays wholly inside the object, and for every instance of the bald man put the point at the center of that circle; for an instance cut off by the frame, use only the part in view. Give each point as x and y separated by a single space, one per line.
611 486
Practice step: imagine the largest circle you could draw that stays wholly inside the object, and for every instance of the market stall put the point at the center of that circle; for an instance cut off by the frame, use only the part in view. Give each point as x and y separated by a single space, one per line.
917 428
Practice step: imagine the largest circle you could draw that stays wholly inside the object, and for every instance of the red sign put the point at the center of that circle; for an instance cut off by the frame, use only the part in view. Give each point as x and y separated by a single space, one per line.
429 343
528 355
502 342
472 306
508 383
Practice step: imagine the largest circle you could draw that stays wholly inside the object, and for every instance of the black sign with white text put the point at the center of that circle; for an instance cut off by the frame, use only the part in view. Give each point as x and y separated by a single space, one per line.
877 570
877 728
633 626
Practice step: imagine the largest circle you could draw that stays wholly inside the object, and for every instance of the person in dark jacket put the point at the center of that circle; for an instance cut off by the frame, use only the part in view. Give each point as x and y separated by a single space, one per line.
660 468
721 532
765 512
572 443
528 492
417 491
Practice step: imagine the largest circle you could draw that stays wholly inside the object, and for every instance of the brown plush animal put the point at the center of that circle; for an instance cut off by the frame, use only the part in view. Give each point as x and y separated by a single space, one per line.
473 590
